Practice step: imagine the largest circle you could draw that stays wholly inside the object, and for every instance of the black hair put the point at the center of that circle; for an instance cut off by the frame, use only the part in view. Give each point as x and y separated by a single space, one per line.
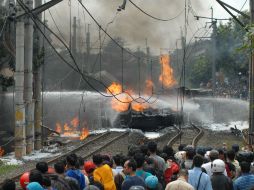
168 150
42 167
71 160
231 154
190 152
8 184
97 159
118 159
152 146
144 149
245 167
140 159
59 167
80 162
181 147
36 176
132 164
198 161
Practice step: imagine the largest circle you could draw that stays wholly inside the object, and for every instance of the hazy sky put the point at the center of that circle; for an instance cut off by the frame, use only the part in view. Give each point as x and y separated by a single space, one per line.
134 27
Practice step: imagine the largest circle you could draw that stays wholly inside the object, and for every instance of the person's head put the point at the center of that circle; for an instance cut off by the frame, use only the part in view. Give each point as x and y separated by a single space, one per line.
59 167
168 150
118 159
80 162
36 176
200 151
130 166
198 161
235 147
222 154
245 167
8 184
218 166
181 147
34 186
144 149
89 167
214 154
97 159
71 160
183 173
190 152
42 167
152 147
231 155
107 160
140 159
151 182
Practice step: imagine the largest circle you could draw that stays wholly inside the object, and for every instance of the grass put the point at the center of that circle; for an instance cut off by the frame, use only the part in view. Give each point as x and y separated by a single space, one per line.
4 169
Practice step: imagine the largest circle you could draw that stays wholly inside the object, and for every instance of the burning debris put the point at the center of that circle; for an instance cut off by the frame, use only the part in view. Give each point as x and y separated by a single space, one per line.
72 129
1 151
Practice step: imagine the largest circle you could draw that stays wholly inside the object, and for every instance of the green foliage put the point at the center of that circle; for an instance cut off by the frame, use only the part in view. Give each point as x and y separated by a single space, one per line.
5 169
200 71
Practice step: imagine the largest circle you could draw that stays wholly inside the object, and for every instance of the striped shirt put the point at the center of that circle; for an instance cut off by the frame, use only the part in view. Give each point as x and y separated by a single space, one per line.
244 182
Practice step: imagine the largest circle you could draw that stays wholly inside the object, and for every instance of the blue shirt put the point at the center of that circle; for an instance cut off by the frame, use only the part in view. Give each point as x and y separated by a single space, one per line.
205 182
142 174
133 181
244 182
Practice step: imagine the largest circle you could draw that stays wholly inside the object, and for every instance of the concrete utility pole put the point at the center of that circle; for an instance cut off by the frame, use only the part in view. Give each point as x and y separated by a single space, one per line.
214 24
251 81
28 85
88 48
74 37
20 131
37 85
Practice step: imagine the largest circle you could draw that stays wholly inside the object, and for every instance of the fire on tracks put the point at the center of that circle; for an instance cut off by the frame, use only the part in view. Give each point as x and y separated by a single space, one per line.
85 150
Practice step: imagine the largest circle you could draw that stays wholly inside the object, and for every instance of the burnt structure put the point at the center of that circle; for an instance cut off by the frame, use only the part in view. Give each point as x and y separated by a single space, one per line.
149 119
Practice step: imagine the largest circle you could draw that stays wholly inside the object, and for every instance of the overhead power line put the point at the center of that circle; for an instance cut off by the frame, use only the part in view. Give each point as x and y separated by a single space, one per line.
76 68
156 18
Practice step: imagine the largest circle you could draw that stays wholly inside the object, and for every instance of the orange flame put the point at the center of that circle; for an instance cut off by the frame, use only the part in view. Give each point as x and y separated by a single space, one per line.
117 105
58 128
167 75
72 129
1 151
75 122
84 133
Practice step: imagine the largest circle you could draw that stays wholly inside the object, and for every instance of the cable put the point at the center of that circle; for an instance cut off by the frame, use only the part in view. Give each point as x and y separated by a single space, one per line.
156 18
77 69
2 30
243 5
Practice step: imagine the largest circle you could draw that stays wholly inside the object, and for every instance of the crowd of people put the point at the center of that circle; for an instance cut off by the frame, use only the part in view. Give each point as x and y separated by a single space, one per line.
146 168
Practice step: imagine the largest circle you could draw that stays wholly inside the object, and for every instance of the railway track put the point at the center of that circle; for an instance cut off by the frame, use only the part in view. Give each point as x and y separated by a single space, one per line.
85 150
186 135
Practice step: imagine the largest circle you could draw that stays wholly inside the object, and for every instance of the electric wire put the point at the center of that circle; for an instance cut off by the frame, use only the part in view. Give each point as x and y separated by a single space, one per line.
77 69
156 18
243 5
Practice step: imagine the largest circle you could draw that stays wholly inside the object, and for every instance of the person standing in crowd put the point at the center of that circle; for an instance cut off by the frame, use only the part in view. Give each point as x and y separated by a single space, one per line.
59 181
131 179
73 172
246 180
218 179
214 154
197 178
140 159
152 183
103 173
181 182
231 159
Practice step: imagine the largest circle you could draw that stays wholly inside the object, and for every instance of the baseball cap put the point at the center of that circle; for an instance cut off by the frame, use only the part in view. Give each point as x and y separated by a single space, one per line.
151 182
34 186
89 166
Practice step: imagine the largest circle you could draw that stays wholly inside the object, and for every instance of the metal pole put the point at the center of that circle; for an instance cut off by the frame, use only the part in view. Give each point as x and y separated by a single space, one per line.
37 86
20 132
88 49
28 84
251 82
213 52
74 37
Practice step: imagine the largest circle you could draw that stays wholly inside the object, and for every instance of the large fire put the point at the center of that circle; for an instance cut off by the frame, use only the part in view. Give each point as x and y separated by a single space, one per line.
121 100
71 129
167 75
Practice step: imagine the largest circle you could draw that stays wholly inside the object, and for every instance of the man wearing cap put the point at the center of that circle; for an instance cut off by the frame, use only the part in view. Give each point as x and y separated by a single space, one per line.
214 154
181 182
